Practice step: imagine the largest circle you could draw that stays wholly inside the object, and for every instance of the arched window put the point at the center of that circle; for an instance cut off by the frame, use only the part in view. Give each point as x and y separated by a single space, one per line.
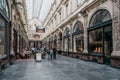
4 7
78 37
66 39
60 35
100 16
100 33
67 32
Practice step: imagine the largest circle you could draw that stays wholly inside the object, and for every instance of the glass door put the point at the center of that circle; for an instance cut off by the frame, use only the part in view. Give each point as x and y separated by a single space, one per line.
107 44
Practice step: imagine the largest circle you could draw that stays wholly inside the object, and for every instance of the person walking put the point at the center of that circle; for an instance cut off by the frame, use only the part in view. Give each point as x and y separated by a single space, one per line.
33 49
48 53
51 53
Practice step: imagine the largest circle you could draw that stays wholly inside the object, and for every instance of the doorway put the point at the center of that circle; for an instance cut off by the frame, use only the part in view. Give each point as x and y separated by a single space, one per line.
107 44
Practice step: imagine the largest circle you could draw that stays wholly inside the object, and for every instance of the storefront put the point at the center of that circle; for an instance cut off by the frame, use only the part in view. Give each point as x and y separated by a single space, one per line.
59 43
5 33
15 42
78 38
66 43
100 36
55 41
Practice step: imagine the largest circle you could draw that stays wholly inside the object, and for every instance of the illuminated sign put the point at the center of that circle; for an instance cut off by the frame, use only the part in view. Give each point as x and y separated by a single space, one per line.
40 29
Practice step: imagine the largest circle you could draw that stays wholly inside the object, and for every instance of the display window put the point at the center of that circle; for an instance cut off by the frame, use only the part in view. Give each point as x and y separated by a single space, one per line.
79 43
95 41
100 33
60 41
66 44
55 41
2 36
78 37
66 40
108 40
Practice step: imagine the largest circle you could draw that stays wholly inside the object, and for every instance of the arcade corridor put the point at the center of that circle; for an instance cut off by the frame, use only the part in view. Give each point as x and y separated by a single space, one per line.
84 34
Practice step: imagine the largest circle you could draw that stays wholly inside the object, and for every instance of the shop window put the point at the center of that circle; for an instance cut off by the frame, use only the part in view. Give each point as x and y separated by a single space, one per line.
66 39
2 36
78 37
107 40
100 35
66 32
95 41
79 43
66 44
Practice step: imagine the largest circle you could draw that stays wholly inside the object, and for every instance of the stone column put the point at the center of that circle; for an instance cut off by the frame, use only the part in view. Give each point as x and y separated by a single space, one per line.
85 35
70 48
116 28
12 43
62 40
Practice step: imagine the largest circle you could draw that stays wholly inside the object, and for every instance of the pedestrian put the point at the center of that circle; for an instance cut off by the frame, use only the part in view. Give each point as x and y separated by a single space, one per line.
33 49
54 53
51 53
48 53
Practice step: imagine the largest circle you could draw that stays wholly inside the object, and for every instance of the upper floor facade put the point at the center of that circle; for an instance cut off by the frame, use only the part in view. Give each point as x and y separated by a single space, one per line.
64 10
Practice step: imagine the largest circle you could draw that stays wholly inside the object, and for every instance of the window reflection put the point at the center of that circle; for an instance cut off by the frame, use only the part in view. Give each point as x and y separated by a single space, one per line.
79 43
95 41
2 36
108 41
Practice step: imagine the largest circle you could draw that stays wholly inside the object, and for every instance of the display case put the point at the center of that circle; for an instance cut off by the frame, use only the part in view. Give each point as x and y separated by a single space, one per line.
96 47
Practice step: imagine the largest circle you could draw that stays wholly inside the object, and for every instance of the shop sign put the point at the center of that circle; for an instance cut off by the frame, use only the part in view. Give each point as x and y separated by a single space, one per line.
40 29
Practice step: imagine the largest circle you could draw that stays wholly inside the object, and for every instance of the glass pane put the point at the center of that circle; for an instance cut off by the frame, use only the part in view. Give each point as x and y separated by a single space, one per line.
106 17
95 41
4 7
66 44
2 36
79 43
100 16
78 27
108 41
92 22
66 31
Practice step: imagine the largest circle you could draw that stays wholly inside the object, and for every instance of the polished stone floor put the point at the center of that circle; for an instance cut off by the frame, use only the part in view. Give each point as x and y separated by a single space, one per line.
63 68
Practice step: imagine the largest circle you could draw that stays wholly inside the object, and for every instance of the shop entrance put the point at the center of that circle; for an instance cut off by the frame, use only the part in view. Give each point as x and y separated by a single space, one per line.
100 35
107 44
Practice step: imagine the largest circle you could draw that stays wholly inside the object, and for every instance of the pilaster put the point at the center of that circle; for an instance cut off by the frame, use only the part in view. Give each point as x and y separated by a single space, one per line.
116 28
